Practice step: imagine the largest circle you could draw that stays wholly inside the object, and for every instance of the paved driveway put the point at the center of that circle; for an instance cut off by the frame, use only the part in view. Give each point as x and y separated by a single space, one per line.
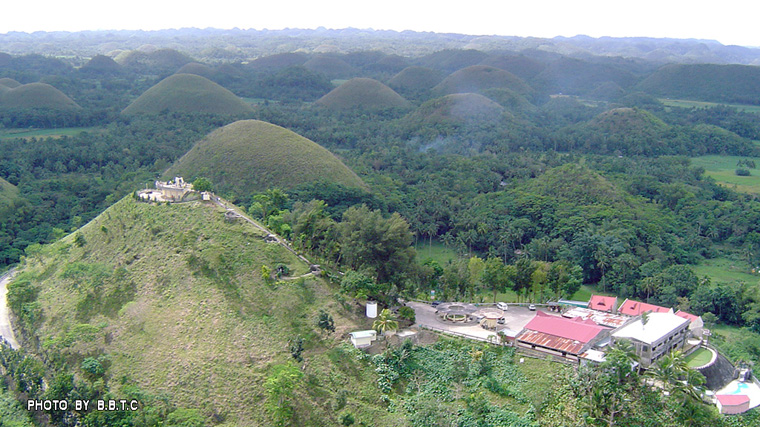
516 319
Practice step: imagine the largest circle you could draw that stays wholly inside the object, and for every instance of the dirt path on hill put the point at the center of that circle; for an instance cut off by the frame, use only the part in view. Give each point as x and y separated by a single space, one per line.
6 330
230 207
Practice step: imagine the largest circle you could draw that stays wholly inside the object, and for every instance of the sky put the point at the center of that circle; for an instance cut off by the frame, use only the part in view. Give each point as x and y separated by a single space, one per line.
727 21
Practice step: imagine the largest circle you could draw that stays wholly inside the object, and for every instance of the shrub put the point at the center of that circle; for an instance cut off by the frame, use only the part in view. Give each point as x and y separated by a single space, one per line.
742 172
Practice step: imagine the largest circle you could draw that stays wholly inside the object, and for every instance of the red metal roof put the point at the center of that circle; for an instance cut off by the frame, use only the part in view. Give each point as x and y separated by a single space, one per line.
573 329
635 308
686 315
732 399
602 303
551 341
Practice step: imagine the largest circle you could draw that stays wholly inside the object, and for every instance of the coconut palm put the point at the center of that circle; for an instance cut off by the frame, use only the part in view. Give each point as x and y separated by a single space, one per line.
385 323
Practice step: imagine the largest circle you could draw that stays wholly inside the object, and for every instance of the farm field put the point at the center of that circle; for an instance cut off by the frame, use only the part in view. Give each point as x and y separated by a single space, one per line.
43 133
722 169
685 103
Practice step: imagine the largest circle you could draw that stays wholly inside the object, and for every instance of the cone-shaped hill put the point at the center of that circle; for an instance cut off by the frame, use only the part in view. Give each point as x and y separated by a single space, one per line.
101 64
362 93
198 69
415 79
9 83
627 121
36 95
161 59
249 156
279 61
174 296
188 93
331 66
478 78
457 108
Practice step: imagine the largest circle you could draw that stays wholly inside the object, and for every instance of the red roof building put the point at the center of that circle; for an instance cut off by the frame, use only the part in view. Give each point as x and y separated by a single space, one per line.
732 403
602 303
560 336
635 308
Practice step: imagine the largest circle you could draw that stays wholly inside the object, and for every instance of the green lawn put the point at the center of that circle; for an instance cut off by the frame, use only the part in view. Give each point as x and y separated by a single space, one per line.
699 358
685 103
43 133
725 270
722 169
438 252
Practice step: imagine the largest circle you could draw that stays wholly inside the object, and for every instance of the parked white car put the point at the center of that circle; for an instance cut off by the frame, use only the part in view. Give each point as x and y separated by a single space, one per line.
502 306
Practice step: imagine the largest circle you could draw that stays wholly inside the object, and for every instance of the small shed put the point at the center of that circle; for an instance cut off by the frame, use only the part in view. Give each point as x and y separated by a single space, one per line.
362 339
731 404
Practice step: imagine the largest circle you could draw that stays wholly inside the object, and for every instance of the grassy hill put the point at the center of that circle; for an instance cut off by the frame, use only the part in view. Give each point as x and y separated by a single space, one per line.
522 66
415 79
331 66
155 59
101 64
450 60
9 83
198 69
362 93
187 93
457 108
280 60
478 78
627 121
576 77
36 95
705 82
8 195
172 297
250 156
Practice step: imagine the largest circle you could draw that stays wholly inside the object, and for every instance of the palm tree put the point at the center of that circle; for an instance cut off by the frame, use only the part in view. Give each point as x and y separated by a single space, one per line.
385 322
603 257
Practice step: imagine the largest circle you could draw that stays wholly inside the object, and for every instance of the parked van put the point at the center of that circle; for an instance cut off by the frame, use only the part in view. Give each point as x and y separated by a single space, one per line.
502 306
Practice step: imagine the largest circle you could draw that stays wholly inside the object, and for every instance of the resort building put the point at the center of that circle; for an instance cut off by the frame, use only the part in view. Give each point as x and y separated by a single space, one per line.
602 303
654 335
560 336
632 308
696 325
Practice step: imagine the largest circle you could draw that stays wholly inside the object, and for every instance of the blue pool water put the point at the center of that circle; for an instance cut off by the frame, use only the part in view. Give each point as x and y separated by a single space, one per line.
741 388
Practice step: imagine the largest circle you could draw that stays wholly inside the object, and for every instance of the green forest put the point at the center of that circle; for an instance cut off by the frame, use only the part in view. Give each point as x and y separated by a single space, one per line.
554 176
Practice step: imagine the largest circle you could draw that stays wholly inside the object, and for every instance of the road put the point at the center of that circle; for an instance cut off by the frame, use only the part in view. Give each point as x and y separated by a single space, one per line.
6 331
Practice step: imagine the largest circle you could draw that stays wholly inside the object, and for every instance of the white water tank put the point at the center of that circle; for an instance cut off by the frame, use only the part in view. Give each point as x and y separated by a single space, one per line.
371 309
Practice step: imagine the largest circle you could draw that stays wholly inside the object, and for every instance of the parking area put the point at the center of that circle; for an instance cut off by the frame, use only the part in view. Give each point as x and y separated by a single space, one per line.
516 317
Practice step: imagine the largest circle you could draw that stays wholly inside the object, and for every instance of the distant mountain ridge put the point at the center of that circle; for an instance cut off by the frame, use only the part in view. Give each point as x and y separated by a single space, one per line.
253 43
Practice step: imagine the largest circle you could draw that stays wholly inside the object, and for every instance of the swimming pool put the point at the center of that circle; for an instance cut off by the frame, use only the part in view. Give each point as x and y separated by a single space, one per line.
741 388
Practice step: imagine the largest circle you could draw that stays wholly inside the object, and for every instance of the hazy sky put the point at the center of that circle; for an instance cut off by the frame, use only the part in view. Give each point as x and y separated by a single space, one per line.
728 21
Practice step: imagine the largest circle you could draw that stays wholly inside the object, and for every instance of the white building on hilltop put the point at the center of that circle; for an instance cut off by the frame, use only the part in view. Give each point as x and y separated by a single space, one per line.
170 191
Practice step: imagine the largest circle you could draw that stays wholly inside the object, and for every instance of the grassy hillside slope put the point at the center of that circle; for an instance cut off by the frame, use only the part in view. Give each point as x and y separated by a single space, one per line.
8 194
187 93
249 156
172 295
